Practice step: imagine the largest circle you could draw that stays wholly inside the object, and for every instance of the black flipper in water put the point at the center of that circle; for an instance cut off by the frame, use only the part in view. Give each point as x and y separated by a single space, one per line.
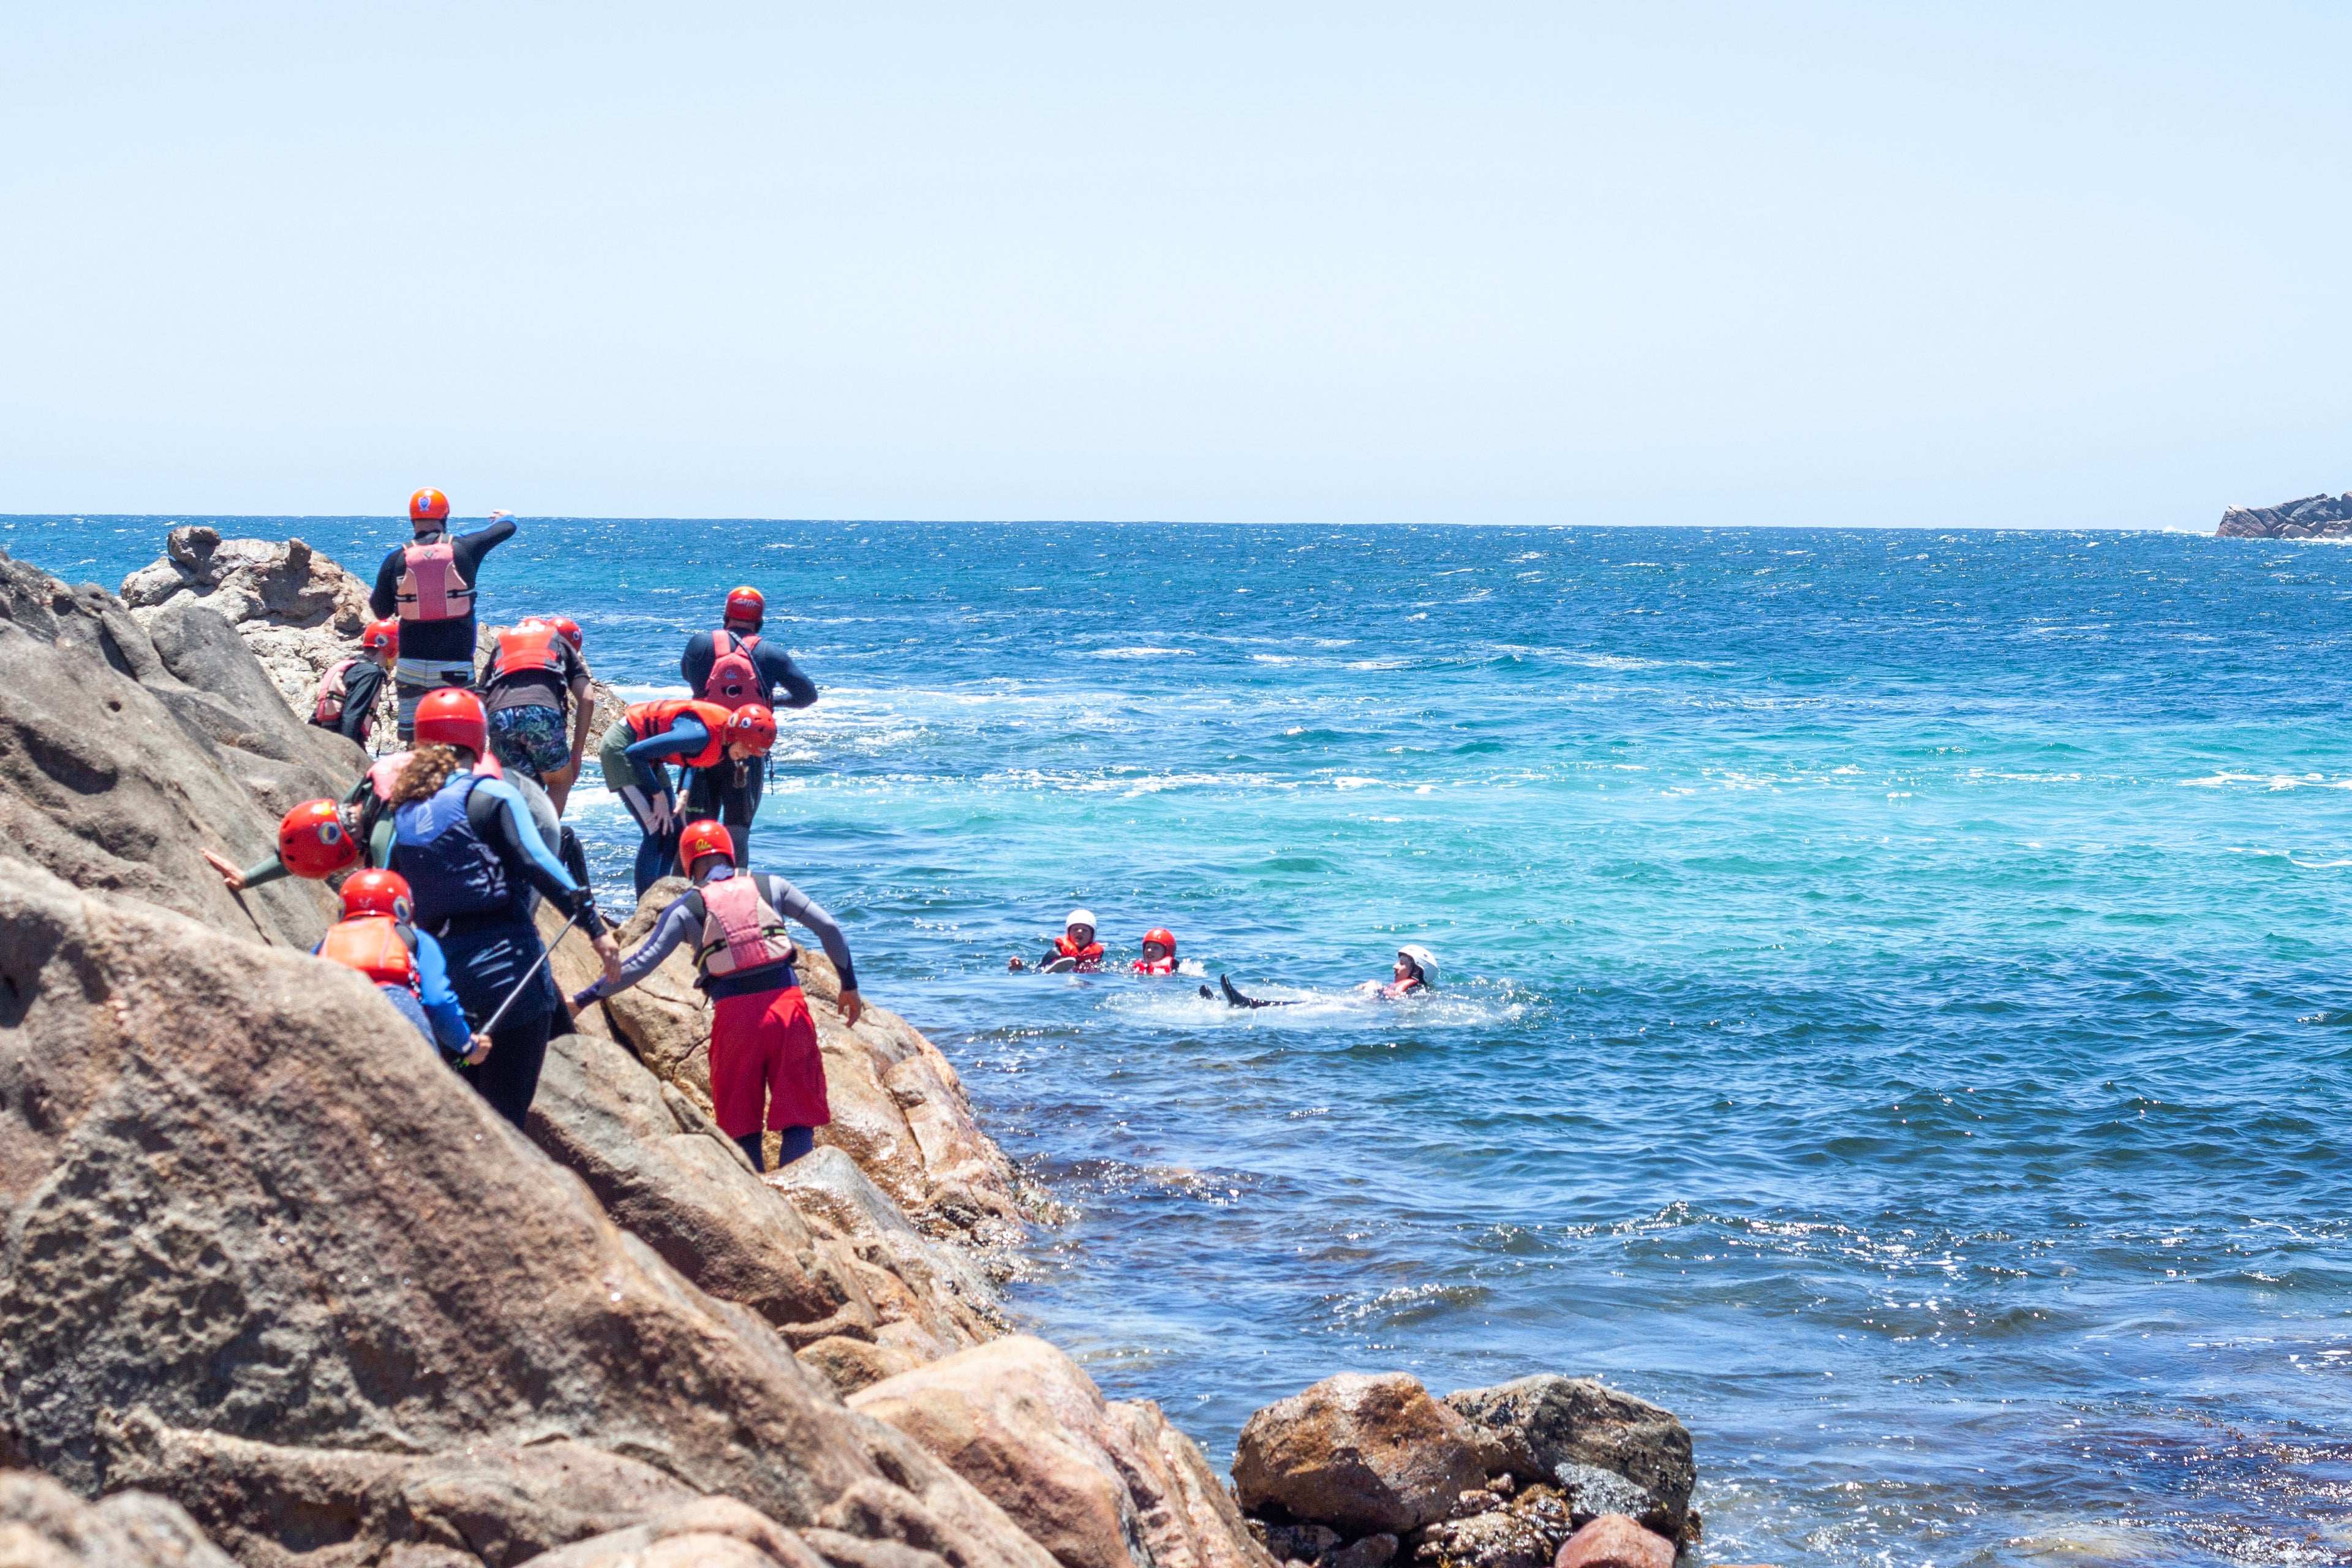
1236 999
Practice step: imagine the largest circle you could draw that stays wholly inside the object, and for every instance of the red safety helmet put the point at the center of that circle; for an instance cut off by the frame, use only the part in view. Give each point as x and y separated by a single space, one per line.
746 605
428 506
703 839
754 724
377 893
313 841
384 633
453 717
571 630
1164 936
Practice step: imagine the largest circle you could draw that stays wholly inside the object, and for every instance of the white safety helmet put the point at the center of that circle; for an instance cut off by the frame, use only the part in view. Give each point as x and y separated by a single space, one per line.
1423 960
1081 918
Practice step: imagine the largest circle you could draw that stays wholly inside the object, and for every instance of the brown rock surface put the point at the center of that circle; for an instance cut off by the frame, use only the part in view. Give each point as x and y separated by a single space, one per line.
711 1532
1363 1454
1613 1540
297 610
42 1525
2309 517
243 1200
1098 1484
1548 1422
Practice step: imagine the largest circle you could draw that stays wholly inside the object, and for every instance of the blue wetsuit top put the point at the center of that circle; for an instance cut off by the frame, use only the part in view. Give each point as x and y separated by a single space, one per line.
497 811
781 684
686 736
450 1031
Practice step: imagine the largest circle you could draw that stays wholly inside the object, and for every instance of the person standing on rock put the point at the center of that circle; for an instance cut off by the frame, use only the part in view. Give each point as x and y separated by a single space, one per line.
636 750
534 673
733 667
473 857
347 691
429 583
762 1041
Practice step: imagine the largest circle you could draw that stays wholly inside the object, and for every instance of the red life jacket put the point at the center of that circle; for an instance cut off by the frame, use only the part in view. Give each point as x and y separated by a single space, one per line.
734 680
1091 954
1146 966
332 693
530 646
376 947
430 588
741 929
647 719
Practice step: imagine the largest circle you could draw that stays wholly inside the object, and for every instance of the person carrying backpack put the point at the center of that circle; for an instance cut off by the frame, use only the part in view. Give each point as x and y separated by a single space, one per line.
733 667
694 734
765 1067
348 691
429 583
535 673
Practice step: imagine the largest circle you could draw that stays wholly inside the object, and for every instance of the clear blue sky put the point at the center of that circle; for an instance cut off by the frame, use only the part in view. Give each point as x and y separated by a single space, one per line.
1976 264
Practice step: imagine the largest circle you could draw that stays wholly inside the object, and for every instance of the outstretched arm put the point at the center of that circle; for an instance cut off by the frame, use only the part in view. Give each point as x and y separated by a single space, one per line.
794 904
676 924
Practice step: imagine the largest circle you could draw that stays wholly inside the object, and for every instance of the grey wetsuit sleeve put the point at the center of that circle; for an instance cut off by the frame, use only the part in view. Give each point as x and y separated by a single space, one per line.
796 905
677 923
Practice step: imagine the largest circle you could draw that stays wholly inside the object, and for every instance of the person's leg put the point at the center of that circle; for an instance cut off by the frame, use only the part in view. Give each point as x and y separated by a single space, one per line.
798 1143
657 857
739 805
792 1069
405 1003
735 1069
508 1077
753 1146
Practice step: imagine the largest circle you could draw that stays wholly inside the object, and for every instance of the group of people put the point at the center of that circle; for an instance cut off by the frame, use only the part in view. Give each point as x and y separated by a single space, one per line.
447 846
1076 951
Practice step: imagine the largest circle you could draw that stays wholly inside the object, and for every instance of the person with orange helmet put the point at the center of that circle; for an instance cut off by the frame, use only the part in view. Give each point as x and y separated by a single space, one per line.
733 667
1159 953
765 1070
535 672
378 937
429 583
473 855
347 694
692 733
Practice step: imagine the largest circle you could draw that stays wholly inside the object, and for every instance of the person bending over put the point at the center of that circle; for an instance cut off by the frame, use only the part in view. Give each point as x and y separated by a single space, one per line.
694 734
762 1042
533 675
378 937
348 691
731 666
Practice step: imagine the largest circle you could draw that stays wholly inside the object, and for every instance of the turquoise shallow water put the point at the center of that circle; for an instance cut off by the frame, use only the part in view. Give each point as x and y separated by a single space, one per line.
1894 1014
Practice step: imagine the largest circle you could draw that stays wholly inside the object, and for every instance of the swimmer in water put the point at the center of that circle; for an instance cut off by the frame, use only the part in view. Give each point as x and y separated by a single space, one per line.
1416 976
1076 944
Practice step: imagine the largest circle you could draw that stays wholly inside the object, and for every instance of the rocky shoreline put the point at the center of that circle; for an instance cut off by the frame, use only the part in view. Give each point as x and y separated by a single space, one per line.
277 1289
2312 517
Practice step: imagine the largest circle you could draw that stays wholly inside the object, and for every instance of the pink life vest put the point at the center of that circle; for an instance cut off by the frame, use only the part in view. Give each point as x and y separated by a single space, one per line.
734 680
332 693
430 588
386 773
741 929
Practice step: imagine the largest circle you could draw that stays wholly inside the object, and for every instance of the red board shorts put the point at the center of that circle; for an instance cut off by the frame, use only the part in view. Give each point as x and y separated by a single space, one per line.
763 1046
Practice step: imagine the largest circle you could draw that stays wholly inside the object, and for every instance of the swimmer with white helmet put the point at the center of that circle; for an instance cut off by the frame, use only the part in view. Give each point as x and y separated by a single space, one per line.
1416 976
1075 949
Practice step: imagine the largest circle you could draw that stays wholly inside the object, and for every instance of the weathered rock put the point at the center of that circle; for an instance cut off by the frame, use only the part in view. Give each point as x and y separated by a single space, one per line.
243 1200
1302 1542
1522 1531
930 1299
42 1525
1362 1454
116 772
712 1533
298 610
665 1173
1372 1552
2311 517
1097 1484
1613 1540
1591 1491
851 1364
1547 1421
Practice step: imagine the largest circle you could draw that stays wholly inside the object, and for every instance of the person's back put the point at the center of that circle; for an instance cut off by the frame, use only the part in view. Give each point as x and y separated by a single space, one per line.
429 583
533 677
733 667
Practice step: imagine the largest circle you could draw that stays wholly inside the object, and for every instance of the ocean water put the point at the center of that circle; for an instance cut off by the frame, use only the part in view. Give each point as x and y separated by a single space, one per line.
1896 1010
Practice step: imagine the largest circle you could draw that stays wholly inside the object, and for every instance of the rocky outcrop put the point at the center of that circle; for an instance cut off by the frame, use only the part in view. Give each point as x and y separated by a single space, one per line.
1590 1440
711 1532
42 1525
1099 1483
1363 1455
1613 1540
2312 517
245 1204
124 755
297 610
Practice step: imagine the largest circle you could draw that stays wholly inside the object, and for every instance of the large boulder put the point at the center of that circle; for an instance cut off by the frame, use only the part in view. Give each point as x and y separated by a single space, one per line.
243 1203
711 1532
1362 1454
294 608
1552 1427
1098 1484
2309 517
930 1299
42 1525
121 760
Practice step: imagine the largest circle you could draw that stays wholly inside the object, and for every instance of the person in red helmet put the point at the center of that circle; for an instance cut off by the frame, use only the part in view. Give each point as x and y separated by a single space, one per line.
534 673
733 667
378 937
429 584
315 841
690 732
473 855
765 1070
1159 953
347 694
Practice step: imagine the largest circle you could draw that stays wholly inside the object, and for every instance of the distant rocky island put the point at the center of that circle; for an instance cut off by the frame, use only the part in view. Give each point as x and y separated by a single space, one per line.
2313 517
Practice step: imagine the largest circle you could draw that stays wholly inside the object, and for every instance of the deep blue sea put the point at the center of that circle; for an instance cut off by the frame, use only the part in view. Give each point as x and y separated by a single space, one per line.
1895 1005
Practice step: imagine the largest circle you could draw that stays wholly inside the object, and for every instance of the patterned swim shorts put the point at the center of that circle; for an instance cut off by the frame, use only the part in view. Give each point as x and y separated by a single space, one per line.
530 739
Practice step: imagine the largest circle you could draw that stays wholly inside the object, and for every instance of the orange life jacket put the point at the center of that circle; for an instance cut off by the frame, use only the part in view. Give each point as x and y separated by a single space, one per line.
530 646
1146 966
741 929
430 588
375 946
332 693
647 719
734 678
1091 954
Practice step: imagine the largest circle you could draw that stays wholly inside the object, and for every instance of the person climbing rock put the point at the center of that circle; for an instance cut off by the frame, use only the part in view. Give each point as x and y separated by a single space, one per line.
533 675
473 857
1159 953
765 1070
378 937
1076 943
348 691
731 666
429 583
693 734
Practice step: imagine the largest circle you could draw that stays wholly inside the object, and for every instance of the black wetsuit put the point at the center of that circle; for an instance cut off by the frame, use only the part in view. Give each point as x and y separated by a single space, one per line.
361 684
451 640
731 791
